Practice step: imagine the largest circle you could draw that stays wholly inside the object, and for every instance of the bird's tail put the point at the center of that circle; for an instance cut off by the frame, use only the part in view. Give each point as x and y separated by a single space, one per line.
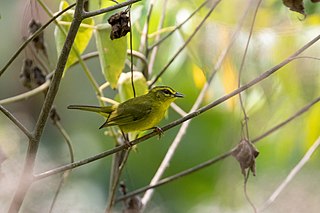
105 111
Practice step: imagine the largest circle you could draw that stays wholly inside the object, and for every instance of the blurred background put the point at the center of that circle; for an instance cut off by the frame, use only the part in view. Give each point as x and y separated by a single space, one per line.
278 32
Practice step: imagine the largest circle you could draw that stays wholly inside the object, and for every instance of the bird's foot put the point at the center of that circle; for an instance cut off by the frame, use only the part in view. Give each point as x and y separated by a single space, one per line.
158 130
126 141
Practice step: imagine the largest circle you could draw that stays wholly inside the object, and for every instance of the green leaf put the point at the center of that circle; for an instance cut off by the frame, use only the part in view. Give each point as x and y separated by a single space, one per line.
82 39
125 86
112 54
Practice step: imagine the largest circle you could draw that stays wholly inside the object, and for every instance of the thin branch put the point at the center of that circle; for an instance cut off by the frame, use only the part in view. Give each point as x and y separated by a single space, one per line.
131 54
181 120
239 78
75 51
65 175
26 95
26 178
155 50
179 26
297 114
185 44
15 55
108 9
246 178
183 129
123 157
176 176
216 159
94 54
16 122
144 38
292 174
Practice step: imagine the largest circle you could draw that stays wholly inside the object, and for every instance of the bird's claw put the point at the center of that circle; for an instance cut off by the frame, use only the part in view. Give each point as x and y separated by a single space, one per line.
159 131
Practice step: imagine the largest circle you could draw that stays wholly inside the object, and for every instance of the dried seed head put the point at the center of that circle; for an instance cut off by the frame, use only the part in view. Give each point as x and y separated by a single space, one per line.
245 153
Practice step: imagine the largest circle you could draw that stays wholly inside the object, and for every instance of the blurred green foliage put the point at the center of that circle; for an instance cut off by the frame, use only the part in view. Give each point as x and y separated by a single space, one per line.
278 33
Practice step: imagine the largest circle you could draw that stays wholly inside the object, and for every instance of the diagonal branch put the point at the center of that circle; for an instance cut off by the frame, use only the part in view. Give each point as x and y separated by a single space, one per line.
27 174
218 158
108 9
15 55
184 126
181 120
16 122
292 174
185 44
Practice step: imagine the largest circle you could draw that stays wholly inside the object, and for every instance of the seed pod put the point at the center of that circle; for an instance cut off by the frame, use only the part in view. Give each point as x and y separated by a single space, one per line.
120 24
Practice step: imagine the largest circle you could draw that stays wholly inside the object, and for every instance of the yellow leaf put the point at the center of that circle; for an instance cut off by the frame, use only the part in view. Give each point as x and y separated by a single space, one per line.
198 76
312 125
229 80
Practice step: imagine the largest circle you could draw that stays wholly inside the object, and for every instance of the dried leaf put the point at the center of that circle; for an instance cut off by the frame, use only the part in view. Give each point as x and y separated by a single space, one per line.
295 5
31 76
120 24
38 41
246 153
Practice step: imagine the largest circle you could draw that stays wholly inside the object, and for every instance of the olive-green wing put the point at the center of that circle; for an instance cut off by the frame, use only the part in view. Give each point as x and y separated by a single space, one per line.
127 114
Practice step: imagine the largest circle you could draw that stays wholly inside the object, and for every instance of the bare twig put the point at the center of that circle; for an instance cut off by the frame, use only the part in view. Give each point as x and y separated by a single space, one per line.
75 51
15 55
260 78
196 105
144 37
240 72
155 50
120 163
16 122
27 174
297 114
26 95
65 175
176 176
108 9
185 44
246 118
157 43
216 159
131 55
291 175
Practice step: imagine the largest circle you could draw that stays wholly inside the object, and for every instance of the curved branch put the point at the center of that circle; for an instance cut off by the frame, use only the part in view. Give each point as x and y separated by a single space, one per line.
26 95
16 122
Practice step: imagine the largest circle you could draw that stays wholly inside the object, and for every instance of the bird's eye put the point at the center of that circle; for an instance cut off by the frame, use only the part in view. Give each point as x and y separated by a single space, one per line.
166 92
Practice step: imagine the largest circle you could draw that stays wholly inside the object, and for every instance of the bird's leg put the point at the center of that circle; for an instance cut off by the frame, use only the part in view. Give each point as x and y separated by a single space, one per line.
158 130
126 139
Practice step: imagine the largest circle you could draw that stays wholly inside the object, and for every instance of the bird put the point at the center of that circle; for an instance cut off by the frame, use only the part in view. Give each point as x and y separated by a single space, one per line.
136 114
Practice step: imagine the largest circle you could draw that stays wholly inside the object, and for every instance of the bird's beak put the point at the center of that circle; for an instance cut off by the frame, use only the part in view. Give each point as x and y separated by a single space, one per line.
178 95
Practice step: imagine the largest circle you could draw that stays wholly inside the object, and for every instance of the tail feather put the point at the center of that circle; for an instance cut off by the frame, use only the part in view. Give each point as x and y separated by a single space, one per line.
105 111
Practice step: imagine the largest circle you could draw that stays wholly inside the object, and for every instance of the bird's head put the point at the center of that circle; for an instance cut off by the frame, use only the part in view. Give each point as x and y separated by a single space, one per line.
165 93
